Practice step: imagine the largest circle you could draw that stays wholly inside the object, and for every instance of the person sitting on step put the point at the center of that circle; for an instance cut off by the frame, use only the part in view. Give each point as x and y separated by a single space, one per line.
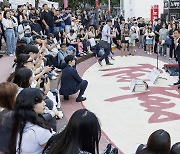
71 82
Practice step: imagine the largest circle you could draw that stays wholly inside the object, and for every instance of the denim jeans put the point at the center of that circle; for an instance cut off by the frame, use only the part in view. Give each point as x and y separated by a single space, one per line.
49 30
163 49
58 29
67 28
27 39
10 41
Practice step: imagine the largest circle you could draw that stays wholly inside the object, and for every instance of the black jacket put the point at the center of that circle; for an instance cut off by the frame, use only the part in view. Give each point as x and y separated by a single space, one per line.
177 51
69 81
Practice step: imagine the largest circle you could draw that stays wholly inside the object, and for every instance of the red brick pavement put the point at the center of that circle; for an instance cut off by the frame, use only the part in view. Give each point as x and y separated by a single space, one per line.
5 67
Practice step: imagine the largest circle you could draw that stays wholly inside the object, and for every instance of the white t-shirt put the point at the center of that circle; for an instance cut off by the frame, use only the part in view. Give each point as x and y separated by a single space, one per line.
72 38
21 28
136 29
32 139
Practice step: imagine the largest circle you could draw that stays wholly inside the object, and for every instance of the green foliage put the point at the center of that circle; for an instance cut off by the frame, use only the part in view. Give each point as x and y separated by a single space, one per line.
78 3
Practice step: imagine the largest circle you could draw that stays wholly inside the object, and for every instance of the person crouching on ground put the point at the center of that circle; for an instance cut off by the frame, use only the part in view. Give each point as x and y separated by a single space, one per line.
71 82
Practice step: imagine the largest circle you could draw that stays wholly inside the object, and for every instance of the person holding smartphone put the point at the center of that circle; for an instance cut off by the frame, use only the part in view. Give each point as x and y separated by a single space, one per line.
24 31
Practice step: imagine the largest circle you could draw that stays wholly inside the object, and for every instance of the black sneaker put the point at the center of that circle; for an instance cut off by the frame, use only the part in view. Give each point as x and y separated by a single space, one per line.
177 83
108 149
100 62
109 64
80 99
114 151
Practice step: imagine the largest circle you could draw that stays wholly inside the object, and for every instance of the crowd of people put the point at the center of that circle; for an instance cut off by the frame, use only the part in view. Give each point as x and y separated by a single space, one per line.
23 128
48 41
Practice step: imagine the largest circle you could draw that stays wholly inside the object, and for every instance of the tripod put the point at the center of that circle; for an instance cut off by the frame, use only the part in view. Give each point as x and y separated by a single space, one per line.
157 58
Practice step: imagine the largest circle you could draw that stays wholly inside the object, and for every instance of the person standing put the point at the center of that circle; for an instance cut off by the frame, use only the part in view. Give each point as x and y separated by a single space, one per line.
106 36
172 46
47 18
156 31
9 25
177 50
141 26
163 36
67 19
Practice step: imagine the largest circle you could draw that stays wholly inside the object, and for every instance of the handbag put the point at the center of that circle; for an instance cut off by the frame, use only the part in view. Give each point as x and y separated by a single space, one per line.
168 42
103 44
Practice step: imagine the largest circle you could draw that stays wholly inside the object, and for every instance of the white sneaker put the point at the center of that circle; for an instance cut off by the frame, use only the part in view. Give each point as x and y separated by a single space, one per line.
54 73
170 58
57 69
53 78
11 55
60 114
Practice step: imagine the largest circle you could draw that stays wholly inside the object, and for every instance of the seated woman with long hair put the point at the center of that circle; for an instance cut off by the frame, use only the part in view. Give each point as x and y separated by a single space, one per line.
8 92
30 132
159 142
23 78
81 135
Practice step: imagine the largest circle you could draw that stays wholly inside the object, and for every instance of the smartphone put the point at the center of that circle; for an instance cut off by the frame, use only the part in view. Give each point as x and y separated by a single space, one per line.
46 79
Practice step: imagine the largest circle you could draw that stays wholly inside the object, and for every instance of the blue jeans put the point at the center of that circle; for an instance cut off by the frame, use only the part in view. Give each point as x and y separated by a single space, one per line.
10 41
49 30
27 39
58 29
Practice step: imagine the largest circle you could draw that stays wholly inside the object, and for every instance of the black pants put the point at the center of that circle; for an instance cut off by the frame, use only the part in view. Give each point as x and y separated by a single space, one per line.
95 49
172 49
82 87
51 61
76 47
107 52
156 43
179 69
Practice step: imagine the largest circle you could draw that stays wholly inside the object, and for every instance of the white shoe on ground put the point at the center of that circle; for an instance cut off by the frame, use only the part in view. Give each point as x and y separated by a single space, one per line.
11 55
53 78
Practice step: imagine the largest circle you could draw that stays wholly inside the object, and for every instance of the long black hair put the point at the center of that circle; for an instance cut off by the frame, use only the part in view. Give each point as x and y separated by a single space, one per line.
82 132
159 142
22 77
23 113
